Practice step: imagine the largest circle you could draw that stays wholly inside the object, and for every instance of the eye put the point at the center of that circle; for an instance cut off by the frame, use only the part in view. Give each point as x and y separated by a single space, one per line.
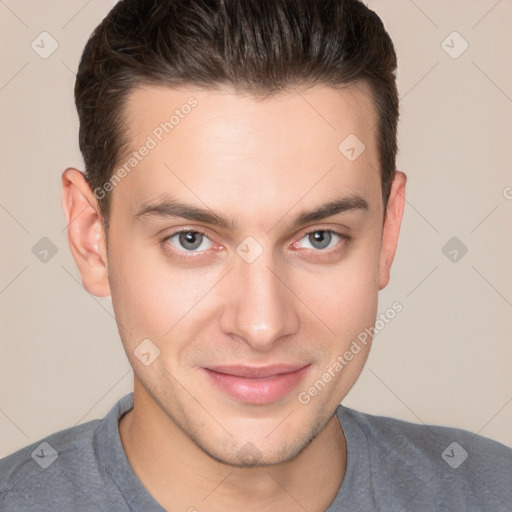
321 239
189 240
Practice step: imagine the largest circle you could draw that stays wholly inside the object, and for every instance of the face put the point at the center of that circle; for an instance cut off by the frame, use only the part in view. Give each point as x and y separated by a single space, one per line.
214 261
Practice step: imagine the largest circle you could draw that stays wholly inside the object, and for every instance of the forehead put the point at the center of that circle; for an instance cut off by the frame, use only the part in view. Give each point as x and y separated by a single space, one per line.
245 150
321 110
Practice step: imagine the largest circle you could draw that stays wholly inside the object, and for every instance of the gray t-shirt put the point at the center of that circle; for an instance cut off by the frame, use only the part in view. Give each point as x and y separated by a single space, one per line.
392 465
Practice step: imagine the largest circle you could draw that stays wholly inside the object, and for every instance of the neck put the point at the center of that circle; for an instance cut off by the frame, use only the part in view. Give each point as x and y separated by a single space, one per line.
181 476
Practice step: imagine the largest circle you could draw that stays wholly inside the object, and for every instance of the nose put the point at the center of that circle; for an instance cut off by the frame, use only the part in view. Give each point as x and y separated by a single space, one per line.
261 305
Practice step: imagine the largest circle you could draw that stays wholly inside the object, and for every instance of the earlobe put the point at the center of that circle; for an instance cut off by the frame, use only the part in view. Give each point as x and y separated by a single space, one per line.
391 228
85 231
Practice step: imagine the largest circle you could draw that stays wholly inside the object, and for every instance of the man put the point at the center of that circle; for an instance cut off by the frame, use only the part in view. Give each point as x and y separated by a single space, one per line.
242 208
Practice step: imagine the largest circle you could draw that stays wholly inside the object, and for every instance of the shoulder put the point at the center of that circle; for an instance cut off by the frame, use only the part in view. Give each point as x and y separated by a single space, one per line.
389 431
424 441
68 470
447 462
46 465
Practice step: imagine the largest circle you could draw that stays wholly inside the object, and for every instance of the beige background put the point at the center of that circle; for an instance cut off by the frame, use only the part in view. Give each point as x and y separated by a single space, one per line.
445 359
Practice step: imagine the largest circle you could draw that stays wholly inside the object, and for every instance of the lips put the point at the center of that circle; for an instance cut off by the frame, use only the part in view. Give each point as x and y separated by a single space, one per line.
254 372
256 385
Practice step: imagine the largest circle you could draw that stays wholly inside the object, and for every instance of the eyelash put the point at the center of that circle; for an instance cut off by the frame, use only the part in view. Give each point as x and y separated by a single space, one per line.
323 253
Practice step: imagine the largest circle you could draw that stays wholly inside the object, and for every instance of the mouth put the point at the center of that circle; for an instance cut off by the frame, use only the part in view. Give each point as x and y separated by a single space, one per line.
257 385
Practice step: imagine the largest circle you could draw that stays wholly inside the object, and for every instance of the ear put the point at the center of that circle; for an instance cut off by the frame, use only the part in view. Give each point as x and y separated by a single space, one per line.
85 231
391 227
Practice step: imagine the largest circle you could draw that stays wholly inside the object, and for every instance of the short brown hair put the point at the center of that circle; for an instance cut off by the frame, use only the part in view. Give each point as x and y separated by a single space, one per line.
258 47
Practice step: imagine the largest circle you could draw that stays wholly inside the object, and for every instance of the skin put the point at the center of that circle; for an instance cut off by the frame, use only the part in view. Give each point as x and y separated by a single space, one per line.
261 163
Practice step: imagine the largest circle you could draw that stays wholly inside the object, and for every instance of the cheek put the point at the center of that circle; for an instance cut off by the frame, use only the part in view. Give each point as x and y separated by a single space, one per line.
345 295
151 297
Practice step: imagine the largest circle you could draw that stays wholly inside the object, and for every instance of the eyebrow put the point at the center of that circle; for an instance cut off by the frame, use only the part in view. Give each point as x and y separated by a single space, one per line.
170 208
